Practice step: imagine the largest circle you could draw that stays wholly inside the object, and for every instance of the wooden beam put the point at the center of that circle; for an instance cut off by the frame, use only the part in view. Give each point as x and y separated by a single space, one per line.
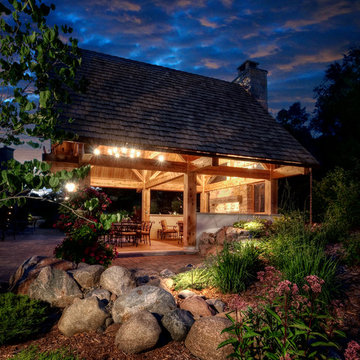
140 164
286 171
138 174
116 183
228 184
162 179
155 174
234 172
145 204
189 207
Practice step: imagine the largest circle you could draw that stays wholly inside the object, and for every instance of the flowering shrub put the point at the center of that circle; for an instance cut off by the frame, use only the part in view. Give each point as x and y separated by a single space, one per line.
352 351
283 324
84 223
83 245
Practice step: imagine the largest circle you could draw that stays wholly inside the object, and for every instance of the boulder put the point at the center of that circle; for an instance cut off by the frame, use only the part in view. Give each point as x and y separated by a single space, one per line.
236 234
118 280
82 316
220 236
152 280
197 306
27 272
178 323
166 283
167 273
183 294
55 287
101 294
151 298
205 336
140 332
88 276
217 304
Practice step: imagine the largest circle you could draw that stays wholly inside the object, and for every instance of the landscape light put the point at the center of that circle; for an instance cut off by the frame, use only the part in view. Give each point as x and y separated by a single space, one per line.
161 158
70 187
97 151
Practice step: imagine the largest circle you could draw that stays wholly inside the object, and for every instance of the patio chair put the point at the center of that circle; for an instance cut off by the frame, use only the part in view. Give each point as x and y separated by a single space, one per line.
180 224
167 231
145 231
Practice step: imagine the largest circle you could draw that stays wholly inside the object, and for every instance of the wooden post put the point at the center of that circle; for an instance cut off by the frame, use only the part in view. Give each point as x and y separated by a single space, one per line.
204 202
145 204
271 197
190 209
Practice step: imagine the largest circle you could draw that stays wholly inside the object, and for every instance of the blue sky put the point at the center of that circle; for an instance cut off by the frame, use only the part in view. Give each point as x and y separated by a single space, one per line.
294 40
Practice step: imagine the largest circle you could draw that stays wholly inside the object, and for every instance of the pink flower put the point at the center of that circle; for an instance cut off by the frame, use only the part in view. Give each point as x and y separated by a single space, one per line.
315 283
284 287
352 351
237 303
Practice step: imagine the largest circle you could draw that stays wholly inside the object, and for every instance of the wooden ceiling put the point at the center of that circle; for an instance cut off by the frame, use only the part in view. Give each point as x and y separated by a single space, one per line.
138 169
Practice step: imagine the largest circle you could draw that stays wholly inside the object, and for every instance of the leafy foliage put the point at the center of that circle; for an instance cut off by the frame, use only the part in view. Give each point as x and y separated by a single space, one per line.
284 324
256 228
297 250
235 267
198 279
337 199
84 222
17 180
20 317
33 353
37 71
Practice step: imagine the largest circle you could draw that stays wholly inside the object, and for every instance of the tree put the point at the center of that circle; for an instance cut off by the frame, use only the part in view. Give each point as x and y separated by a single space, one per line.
337 112
37 72
296 120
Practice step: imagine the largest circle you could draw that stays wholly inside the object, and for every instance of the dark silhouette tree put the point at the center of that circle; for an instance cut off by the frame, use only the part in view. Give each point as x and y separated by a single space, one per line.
337 112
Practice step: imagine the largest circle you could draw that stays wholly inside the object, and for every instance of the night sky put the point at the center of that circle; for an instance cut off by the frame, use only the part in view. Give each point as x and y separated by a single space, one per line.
293 40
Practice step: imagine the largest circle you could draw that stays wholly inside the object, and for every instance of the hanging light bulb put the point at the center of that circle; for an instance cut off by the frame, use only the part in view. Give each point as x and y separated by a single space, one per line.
138 153
97 151
124 150
161 158
110 152
117 155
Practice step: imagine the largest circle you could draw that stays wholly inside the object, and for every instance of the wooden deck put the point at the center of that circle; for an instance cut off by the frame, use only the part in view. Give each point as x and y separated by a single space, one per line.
157 247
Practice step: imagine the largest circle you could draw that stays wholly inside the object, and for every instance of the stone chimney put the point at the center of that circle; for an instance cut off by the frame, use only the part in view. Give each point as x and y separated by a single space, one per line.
254 80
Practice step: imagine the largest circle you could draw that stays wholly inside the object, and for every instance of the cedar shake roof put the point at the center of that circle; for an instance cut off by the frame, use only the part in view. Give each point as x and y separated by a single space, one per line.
156 108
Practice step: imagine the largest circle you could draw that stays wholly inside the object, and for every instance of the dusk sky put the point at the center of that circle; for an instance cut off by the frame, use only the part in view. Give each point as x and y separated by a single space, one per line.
294 40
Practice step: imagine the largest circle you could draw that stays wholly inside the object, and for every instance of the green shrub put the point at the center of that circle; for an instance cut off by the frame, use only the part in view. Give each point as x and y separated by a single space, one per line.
337 199
310 260
32 353
198 279
352 250
236 266
20 317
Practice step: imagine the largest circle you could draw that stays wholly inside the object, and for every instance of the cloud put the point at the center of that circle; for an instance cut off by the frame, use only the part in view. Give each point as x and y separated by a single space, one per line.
322 14
264 50
322 57
207 23
227 3
212 64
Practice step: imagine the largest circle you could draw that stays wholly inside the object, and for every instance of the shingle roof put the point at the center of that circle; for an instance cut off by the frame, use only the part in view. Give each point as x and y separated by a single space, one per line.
157 108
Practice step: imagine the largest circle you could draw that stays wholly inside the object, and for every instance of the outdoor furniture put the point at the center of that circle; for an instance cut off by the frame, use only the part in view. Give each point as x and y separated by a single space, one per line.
126 231
167 231
180 224
145 231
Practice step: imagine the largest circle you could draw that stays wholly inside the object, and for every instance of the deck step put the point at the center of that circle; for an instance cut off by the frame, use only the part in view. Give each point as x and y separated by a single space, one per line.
156 253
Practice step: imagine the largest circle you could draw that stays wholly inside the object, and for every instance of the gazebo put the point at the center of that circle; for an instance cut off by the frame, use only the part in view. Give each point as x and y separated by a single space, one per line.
148 127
